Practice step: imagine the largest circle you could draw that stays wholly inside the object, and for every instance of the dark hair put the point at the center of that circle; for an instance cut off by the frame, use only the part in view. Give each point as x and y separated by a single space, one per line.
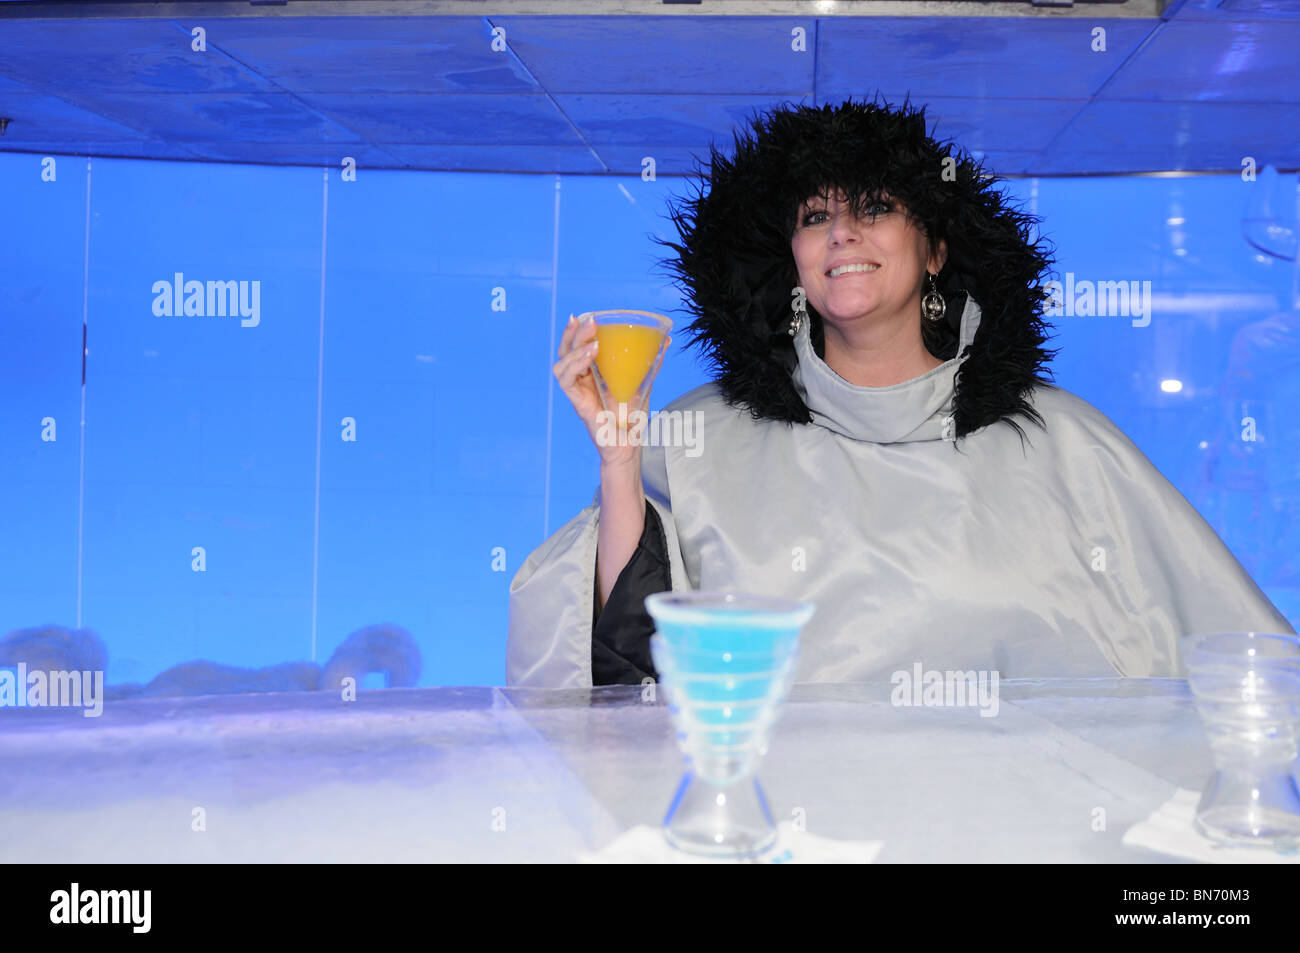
738 272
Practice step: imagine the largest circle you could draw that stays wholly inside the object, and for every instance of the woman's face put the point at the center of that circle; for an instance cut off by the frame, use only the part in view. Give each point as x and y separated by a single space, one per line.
826 236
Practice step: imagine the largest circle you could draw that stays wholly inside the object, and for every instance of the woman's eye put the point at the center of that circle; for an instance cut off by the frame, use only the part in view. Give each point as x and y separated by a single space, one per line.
873 210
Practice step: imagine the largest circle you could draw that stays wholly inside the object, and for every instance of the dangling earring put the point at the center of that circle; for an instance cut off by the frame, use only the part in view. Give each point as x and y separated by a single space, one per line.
800 316
932 305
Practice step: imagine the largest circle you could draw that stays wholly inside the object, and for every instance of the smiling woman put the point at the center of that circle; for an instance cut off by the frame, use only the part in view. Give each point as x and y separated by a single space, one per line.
864 274
873 311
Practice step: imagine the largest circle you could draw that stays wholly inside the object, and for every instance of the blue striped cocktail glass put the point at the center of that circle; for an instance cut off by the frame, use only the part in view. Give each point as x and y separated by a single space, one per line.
726 662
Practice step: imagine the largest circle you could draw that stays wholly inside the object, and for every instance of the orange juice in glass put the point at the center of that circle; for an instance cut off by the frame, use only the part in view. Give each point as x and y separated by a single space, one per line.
632 345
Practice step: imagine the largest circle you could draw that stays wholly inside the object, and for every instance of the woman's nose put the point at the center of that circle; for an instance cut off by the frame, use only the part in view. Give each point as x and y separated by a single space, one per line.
845 225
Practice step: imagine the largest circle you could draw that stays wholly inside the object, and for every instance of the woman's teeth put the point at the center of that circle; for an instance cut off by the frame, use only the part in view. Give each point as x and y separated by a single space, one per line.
844 269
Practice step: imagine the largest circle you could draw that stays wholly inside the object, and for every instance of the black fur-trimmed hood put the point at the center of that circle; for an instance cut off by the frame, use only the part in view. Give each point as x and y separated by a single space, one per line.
737 271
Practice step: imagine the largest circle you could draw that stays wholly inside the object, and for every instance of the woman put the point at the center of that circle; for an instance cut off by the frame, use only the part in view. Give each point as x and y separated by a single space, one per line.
862 443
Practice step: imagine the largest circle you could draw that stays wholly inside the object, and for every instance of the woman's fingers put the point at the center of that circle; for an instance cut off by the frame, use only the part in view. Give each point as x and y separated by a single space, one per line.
575 333
564 372
574 364
566 339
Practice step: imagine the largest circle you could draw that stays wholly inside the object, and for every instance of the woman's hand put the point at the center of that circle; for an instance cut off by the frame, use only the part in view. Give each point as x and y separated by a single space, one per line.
578 348
622 497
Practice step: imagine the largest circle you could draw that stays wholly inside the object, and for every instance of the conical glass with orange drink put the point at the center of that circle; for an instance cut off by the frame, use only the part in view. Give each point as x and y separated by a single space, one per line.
631 347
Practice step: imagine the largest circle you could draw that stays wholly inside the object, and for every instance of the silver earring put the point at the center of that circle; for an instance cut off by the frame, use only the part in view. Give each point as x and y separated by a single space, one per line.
800 316
932 305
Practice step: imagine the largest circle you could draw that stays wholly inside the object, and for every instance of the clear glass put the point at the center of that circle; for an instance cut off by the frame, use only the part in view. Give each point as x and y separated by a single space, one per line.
726 662
1247 690
631 348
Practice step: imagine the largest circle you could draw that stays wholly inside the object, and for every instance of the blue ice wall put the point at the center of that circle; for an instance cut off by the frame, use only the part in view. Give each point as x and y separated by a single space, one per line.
375 438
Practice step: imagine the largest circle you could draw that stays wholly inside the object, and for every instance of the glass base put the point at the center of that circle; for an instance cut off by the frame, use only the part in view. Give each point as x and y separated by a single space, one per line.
1250 809
727 821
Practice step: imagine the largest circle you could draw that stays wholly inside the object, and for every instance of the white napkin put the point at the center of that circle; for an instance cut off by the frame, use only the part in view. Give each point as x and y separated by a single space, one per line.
646 845
1169 830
